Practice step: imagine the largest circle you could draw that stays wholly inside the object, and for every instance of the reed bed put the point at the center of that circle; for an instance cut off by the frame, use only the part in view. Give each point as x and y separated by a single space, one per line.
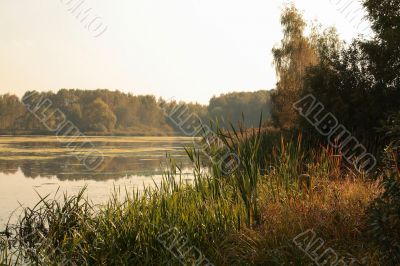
248 217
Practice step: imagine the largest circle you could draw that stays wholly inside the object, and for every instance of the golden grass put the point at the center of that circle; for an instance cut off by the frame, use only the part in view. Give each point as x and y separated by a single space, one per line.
335 210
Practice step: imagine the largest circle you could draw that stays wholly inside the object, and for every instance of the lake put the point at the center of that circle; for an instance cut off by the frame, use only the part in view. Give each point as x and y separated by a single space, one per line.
34 164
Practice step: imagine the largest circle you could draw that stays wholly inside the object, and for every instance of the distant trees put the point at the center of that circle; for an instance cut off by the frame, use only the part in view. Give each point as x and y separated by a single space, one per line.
184 118
97 111
99 116
114 112
11 111
232 107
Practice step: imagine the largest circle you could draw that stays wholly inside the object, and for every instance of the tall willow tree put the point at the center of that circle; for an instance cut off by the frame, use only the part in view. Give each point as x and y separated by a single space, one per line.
291 59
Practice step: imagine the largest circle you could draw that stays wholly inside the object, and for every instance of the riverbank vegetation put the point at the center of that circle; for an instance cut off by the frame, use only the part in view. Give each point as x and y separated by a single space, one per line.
289 181
248 217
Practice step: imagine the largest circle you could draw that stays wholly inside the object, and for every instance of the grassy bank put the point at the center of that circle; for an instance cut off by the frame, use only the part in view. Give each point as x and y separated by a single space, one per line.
249 217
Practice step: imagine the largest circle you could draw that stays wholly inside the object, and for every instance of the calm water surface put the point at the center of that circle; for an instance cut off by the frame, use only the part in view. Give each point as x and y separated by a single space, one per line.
31 165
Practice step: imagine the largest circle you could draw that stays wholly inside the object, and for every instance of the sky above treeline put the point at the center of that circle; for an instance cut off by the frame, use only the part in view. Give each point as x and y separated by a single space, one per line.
183 49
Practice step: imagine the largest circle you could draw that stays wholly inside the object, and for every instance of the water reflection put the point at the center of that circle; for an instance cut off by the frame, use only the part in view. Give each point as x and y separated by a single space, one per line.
70 168
123 157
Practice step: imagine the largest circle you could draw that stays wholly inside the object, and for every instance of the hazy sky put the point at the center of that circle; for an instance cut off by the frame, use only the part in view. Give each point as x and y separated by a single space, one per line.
186 49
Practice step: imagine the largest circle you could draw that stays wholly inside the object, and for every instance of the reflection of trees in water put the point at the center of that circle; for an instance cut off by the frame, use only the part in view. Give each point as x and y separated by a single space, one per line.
8 167
69 168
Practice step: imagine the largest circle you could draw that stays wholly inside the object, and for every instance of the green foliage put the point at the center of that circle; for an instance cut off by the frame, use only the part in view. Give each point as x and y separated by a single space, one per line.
246 177
360 83
384 213
10 110
383 51
114 112
93 112
233 106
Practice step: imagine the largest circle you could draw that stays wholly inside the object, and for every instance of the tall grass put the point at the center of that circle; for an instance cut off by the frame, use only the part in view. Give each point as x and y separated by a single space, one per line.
213 214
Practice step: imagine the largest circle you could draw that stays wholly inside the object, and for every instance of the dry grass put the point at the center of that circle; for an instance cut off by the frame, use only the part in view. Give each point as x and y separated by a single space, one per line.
335 211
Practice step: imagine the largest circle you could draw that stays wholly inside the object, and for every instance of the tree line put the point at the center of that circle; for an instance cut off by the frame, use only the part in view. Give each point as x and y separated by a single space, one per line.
104 112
